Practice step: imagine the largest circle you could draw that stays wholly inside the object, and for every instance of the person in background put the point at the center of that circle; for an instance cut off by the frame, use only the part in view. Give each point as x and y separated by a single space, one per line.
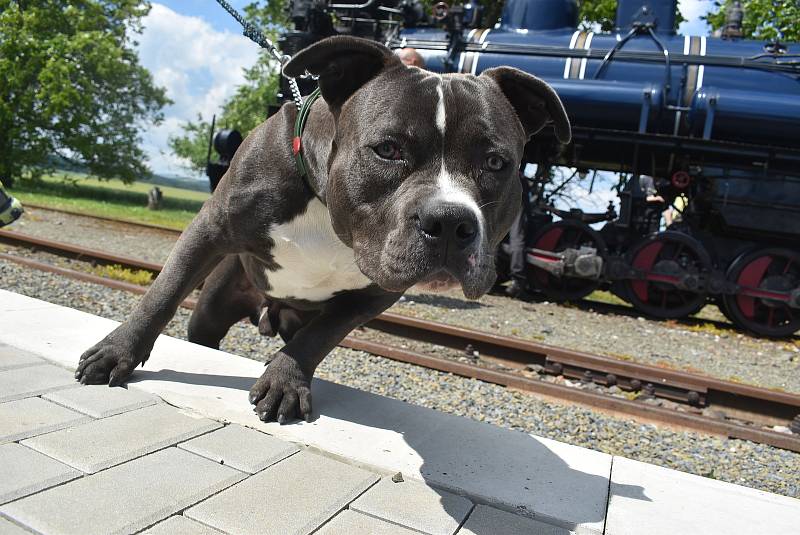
674 213
517 242
654 202
411 57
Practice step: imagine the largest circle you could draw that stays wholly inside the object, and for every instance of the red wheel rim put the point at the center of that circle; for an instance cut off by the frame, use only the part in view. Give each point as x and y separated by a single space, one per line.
645 261
663 261
762 274
751 276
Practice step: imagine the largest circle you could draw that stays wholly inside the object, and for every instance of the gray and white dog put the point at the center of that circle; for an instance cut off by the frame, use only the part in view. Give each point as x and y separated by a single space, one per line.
411 178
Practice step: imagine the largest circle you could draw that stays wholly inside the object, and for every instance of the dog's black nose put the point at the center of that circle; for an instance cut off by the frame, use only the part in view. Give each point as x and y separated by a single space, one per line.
448 222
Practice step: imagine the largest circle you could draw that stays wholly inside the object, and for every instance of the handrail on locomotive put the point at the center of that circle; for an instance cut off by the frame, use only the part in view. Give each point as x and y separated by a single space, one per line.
716 121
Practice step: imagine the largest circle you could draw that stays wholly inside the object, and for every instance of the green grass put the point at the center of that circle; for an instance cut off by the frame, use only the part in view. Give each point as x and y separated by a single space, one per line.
117 272
606 297
90 196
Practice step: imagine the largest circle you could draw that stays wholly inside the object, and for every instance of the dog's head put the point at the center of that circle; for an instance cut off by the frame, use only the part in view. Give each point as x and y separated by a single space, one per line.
423 173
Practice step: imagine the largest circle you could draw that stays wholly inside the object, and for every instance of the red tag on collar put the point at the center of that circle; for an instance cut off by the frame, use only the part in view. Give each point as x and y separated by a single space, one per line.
296 145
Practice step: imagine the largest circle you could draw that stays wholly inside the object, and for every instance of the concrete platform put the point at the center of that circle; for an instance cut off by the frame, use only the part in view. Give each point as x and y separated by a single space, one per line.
203 467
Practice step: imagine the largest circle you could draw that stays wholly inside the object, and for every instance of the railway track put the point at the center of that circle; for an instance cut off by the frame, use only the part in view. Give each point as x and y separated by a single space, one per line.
149 226
586 303
743 411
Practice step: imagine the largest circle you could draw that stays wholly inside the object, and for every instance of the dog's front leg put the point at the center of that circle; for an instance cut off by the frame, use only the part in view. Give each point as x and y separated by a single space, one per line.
284 390
113 359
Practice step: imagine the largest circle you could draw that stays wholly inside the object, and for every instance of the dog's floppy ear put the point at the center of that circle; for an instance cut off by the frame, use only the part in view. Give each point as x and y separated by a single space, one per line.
534 100
343 65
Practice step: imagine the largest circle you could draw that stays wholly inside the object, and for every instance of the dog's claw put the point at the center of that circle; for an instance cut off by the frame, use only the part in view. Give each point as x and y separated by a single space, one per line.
110 362
283 392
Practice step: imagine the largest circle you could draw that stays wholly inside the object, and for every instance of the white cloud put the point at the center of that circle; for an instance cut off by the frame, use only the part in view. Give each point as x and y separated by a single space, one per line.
199 66
578 196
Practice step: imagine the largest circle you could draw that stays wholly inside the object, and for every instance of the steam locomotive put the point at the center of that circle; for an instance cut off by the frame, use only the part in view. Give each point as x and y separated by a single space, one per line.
715 121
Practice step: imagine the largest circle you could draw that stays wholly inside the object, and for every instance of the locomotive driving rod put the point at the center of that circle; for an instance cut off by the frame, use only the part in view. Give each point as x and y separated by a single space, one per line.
585 263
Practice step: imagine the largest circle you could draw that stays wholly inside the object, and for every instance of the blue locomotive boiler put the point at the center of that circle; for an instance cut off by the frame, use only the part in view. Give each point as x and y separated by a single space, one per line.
715 121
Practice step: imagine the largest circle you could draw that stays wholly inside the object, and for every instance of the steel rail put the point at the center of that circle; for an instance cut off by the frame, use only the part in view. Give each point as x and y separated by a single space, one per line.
77 252
149 226
738 400
572 395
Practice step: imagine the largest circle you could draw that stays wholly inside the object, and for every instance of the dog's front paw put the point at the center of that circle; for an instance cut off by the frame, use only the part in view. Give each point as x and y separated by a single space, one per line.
283 392
110 361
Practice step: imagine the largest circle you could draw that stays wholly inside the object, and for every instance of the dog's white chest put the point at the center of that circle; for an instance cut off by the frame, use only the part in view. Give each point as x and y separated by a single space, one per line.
314 263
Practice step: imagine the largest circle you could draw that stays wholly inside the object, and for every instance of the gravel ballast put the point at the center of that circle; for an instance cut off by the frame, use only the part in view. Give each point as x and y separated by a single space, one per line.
736 461
120 238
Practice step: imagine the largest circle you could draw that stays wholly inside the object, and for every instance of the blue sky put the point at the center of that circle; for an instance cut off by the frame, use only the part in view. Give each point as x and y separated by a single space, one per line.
208 10
196 50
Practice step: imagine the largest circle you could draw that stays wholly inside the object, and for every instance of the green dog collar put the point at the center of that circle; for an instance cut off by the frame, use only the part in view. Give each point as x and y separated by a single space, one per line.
299 125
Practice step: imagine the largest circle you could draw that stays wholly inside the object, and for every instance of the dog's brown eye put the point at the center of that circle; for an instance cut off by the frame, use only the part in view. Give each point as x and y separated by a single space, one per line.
388 151
495 163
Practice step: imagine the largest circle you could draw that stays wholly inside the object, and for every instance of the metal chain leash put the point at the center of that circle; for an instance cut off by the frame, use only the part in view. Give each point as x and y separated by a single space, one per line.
255 35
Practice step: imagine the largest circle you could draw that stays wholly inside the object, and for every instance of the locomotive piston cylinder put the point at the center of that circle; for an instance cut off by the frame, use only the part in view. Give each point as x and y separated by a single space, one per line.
588 264
584 263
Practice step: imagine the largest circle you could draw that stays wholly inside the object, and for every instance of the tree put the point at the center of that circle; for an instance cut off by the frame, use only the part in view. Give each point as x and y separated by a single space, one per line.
72 87
763 19
600 12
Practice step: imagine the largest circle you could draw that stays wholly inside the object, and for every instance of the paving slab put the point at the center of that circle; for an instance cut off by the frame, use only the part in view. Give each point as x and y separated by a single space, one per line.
241 448
51 331
351 523
415 505
486 520
123 499
180 525
294 496
558 483
21 383
9 528
100 401
24 471
33 416
676 502
11 357
99 444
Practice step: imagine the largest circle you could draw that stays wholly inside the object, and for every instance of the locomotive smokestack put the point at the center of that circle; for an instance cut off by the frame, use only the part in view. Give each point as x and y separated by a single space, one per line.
658 13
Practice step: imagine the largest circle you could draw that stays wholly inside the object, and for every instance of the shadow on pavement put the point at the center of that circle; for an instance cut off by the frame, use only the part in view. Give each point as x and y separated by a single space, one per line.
496 466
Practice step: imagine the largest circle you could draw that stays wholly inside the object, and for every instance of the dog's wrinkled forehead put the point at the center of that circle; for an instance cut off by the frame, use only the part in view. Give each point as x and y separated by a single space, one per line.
431 108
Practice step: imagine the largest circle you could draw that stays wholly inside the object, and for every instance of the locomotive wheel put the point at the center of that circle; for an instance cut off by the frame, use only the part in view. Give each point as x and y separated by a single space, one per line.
767 269
557 237
670 254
